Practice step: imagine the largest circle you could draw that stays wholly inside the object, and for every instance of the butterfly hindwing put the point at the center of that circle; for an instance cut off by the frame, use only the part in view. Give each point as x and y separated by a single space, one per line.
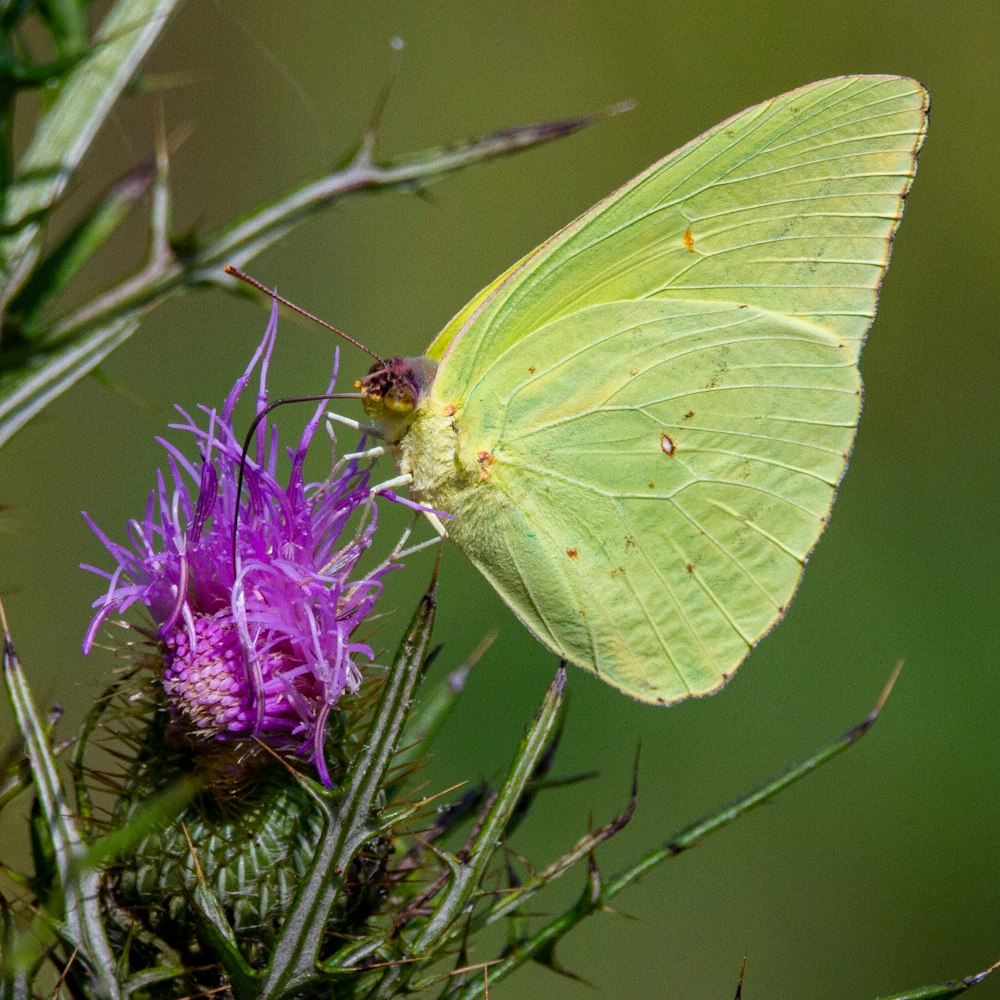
647 500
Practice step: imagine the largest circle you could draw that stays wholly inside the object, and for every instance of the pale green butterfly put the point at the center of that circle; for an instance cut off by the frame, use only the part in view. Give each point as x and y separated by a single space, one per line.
638 430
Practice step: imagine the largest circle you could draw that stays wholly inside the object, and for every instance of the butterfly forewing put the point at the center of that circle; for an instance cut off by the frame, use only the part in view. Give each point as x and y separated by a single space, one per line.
789 205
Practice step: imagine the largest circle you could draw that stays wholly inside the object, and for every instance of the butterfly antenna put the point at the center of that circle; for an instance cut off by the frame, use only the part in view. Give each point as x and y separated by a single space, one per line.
254 424
235 272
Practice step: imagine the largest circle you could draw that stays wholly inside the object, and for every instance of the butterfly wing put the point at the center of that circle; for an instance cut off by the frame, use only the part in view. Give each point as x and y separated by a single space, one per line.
640 426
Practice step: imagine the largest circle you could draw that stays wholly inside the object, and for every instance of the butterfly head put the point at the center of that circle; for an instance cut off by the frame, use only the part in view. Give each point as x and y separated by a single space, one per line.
391 392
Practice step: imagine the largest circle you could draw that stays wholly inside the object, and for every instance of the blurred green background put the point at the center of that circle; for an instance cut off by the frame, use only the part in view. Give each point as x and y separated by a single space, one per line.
879 872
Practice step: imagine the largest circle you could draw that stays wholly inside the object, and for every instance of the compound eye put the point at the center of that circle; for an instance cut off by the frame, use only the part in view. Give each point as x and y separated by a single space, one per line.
400 399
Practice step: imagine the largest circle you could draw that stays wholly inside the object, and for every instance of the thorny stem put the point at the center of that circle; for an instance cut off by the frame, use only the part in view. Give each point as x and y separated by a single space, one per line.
598 894
246 238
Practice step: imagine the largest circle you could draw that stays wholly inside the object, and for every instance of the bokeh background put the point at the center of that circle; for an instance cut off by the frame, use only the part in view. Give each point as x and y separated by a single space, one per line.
879 872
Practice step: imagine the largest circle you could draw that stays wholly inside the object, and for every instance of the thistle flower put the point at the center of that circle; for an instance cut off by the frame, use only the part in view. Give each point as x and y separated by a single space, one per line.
256 637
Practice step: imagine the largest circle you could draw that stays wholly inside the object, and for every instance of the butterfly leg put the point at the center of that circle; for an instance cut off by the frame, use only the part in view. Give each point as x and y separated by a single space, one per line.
390 484
402 552
377 452
404 480
355 425
436 523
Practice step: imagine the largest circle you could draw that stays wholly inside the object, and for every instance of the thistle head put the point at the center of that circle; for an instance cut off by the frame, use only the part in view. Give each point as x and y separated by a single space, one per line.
251 580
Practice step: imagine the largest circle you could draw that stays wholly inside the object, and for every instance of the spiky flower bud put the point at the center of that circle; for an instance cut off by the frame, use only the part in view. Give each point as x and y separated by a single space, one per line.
255 596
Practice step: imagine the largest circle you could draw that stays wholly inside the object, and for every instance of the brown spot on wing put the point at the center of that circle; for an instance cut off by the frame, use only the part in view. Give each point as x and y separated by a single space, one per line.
572 553
689 240
667 445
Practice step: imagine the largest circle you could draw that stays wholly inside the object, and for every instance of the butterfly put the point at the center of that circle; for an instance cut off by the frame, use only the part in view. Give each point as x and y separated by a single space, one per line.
638 430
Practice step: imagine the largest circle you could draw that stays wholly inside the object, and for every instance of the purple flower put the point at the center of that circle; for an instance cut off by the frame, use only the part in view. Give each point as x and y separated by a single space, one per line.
256 644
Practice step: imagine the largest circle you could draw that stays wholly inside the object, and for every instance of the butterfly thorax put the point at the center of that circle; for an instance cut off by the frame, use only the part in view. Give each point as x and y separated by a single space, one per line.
391 392
444 476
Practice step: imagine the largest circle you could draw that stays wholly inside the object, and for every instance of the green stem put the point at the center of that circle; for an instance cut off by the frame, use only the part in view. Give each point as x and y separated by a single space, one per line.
295 953
255 232
467 869
598 895
77 893
944 991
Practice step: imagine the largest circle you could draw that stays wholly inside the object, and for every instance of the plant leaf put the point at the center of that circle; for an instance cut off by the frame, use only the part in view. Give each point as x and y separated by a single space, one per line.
943 991
547 936
29 389
65 133
66 259
82 922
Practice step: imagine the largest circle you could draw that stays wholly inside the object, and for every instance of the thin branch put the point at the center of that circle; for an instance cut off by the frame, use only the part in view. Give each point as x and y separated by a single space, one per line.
247 237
